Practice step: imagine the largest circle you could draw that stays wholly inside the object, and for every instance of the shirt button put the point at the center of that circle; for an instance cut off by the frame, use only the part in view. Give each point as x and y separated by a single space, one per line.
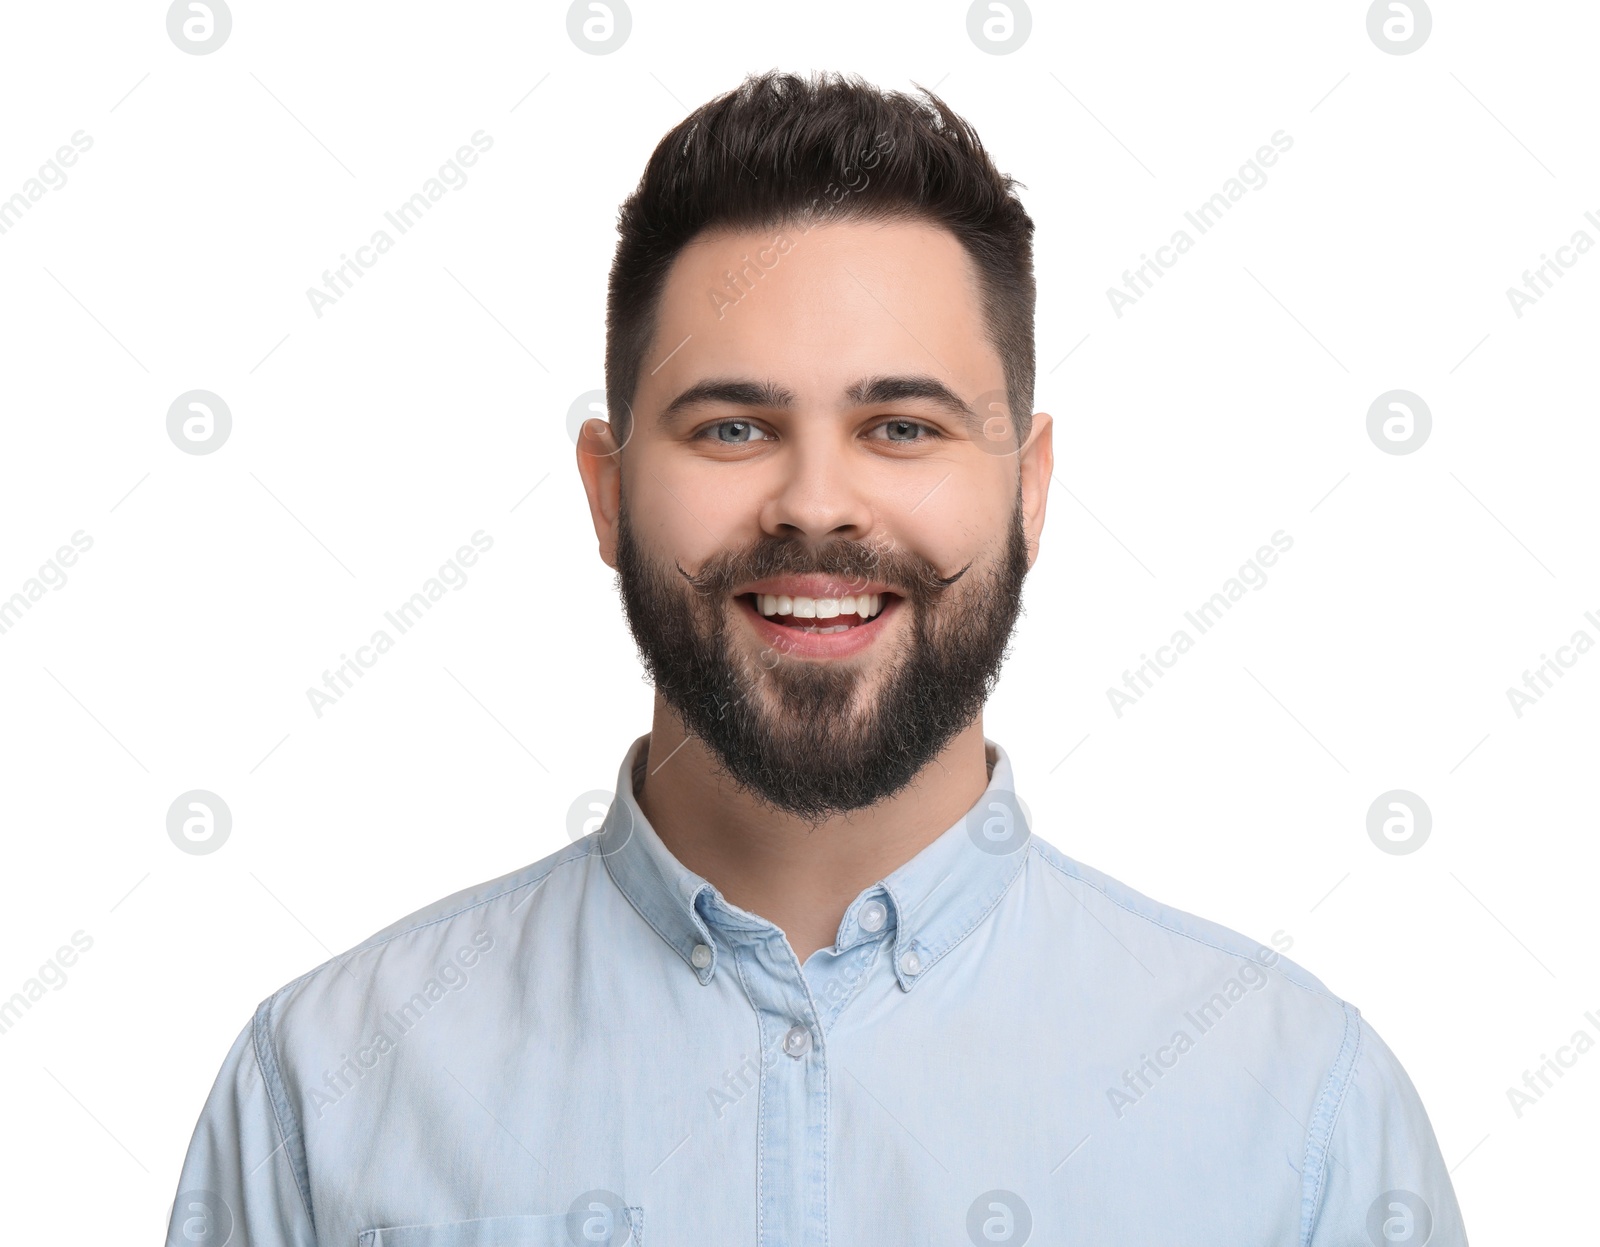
911 963
797 1041
701 956
872 916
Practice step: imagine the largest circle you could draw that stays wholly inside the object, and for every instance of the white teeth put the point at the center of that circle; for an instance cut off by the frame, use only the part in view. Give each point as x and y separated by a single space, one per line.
864 605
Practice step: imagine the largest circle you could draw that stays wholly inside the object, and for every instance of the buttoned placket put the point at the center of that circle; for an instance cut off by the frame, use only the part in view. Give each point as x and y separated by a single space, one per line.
892 935
795 1006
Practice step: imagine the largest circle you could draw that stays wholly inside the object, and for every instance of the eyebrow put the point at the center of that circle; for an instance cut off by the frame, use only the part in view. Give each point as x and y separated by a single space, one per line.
868 392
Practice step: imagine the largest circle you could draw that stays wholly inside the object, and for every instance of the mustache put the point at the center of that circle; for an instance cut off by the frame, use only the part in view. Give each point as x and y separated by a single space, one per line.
853 561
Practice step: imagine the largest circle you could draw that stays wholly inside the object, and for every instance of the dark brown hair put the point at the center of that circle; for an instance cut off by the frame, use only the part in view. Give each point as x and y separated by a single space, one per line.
780 150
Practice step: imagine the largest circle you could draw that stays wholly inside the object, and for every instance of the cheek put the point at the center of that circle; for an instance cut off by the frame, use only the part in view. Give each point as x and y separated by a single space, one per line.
671 523
693 507
949 536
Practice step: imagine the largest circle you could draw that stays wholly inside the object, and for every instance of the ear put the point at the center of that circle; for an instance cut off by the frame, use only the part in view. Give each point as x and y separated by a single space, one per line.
1036 461
600 466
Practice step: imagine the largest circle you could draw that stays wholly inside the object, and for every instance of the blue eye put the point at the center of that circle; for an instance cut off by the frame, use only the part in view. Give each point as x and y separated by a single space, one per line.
735 432
906 431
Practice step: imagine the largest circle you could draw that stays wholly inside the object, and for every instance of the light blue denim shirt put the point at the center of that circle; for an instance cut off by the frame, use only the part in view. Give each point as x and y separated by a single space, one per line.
1002 1046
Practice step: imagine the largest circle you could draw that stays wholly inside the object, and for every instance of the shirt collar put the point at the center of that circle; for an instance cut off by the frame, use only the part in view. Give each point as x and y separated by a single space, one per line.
927 906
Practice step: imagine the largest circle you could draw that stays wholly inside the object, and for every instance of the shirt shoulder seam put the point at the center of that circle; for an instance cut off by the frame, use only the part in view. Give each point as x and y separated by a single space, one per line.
1156 922
290 1138
290 1135
373 941
1319 1135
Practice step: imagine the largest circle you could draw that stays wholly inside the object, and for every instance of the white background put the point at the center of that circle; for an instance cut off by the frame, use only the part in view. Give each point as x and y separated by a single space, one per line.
368 444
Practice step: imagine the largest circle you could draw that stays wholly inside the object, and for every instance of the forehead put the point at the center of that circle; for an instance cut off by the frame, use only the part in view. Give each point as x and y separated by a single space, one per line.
817 310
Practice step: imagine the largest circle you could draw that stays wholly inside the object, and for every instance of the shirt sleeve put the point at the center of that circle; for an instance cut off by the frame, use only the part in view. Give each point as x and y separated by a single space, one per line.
240 1185
1383 1180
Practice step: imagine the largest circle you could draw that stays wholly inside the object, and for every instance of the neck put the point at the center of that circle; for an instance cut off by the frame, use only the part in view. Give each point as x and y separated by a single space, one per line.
800 876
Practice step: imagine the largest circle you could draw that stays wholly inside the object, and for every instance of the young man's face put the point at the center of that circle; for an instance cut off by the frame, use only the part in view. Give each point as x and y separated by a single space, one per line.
796 454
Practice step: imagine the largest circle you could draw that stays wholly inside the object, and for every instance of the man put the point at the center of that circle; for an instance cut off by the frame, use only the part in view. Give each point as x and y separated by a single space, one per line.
814 981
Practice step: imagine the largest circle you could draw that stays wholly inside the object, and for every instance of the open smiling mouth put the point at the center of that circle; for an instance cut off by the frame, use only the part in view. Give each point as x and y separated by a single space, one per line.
819 616
818 627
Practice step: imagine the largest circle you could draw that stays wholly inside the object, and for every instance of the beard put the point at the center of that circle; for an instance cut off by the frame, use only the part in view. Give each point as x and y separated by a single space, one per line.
811 738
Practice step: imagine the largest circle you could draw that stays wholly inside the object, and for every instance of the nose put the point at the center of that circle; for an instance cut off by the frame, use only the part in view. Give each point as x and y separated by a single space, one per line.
820 494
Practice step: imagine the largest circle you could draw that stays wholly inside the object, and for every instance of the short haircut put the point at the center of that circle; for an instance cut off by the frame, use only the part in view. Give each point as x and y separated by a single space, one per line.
781 150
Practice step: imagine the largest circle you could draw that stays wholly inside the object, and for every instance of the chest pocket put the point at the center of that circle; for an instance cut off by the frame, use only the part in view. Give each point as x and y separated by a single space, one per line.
601 1229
